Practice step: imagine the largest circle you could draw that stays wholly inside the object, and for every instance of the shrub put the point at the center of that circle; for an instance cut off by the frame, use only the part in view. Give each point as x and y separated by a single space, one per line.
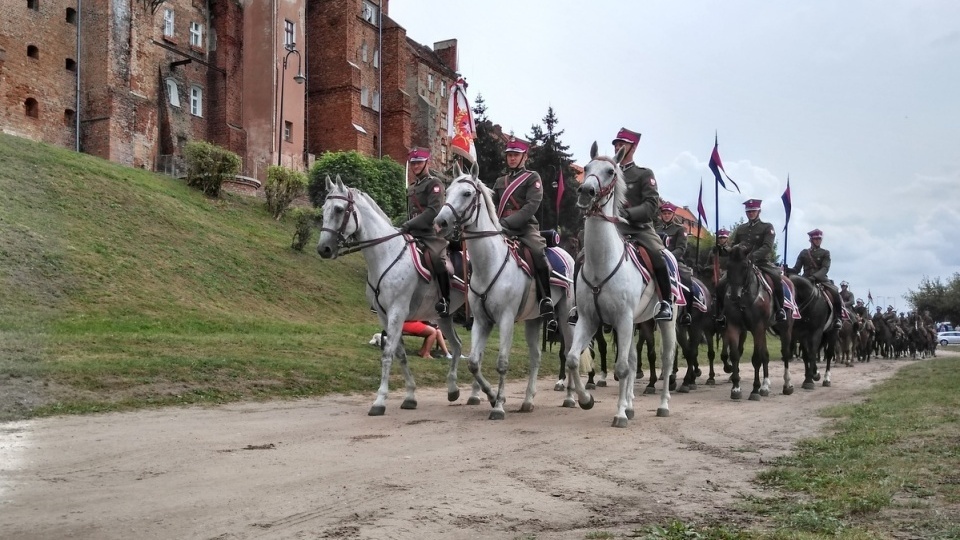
382 179
304 220
208 165
282 187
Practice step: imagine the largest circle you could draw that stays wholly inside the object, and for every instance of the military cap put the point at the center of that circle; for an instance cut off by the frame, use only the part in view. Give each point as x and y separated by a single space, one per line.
517 145
418 154
627 136
752 204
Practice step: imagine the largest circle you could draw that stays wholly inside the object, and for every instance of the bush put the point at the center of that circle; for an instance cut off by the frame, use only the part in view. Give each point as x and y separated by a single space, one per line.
382 179
304 220
282 187
208 165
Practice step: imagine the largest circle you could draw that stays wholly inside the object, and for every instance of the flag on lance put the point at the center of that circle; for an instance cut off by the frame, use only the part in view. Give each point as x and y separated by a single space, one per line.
460 126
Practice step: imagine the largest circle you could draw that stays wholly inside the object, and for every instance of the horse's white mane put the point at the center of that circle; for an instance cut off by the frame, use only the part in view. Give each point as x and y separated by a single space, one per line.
370 202
488 202
620 187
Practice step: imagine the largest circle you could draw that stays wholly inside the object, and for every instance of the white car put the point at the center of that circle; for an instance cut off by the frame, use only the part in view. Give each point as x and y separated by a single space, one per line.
949 338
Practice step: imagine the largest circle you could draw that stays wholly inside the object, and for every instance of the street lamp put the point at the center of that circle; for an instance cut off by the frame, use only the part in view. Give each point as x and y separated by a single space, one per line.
299 78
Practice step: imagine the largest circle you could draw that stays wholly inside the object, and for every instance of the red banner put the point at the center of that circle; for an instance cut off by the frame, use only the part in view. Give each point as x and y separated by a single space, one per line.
460 126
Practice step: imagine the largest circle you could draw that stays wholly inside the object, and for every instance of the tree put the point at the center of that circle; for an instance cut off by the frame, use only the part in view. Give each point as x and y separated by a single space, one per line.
551 158
942 300
490 146
381 179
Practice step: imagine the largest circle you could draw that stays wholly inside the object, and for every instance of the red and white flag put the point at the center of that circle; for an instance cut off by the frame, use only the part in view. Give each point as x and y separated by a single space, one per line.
460 126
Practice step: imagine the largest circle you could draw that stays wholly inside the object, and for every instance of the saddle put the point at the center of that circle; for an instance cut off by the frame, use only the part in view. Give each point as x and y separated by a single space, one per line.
423 262
641 259
524 259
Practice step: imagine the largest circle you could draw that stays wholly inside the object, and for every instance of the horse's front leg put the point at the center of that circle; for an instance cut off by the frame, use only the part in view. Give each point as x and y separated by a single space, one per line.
503 364
456 347
532 331
625 370
479 334
761 386
393 345
732 340
582 334
668 351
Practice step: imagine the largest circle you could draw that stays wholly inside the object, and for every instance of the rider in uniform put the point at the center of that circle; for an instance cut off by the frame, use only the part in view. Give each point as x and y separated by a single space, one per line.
517 195
642 202
846 295
758 237
815 263
674 238
425 196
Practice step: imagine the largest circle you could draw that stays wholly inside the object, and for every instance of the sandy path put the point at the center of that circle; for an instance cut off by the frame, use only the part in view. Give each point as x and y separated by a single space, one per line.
323 469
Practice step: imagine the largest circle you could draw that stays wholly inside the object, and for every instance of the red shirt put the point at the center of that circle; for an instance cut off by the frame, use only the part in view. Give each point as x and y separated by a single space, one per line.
415 328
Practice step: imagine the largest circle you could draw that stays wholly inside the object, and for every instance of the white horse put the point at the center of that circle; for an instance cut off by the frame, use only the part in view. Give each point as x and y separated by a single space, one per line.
395 288
611 289
501 292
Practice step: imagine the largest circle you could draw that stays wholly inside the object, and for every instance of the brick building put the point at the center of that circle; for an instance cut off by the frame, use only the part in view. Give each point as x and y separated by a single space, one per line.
272 80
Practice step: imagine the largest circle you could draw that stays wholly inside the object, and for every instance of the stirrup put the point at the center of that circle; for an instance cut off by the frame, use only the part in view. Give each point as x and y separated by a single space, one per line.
546 308
781 315
552 325
685 319
720 320
664 312
573 317
442 306
838 324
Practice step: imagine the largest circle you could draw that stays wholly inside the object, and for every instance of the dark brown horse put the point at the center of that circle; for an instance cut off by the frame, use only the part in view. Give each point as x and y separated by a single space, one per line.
814 330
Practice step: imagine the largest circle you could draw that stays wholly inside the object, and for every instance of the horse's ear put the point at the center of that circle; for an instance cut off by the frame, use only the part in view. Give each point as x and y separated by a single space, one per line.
475 170
621 153
594 150
457 171
330 185
340 185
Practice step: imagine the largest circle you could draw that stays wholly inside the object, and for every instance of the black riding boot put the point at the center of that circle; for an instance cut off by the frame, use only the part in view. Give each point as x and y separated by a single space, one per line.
543 293
718 304
577 265
443 283
837 310
778 299
664 309
685 319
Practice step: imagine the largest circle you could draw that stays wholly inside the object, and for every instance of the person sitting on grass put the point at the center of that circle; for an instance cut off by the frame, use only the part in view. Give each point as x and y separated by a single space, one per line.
431 336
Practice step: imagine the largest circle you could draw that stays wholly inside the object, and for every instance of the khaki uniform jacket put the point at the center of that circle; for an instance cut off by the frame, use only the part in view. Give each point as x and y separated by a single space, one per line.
674 238
758 236
643 200
519 215
815 263
424 199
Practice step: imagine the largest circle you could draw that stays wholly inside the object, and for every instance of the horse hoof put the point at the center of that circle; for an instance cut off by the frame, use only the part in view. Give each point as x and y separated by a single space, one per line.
735 394
788 390
560 386
587 405
619 422
663 412
727 369
764 392
409 404
474 400
377 410
816 376
807 386
453 396
684 389
697 372
826 383
711 382
650 390
630 414
673 387
590 386
570 403
526 407
497 415
602 384
691 387
754 396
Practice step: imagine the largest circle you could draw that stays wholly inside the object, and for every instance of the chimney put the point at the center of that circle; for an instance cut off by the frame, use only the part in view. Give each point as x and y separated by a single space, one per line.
447 51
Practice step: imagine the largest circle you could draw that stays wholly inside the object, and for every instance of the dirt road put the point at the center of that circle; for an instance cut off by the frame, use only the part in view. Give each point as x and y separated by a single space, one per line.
324 469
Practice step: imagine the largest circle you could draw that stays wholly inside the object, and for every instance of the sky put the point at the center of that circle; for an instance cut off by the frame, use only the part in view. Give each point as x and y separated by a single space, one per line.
856 101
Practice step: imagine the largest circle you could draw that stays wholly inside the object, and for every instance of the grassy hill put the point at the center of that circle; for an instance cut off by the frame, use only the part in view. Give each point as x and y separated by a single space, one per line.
123 288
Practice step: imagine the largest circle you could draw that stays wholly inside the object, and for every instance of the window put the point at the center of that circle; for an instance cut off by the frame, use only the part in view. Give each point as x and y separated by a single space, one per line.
32 108
173 91
430 82
376 100
443 89
69 117
33 51
363 51
370 12
168 23
364 97
71 16
196 35
289 35
288 131
70 64
376 59
196 101
33 4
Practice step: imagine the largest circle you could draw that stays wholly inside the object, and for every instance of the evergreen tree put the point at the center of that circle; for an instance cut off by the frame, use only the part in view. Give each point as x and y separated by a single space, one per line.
552 159
490 147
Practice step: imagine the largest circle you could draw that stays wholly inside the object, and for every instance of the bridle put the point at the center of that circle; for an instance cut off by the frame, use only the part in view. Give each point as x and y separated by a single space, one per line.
603 196
345 247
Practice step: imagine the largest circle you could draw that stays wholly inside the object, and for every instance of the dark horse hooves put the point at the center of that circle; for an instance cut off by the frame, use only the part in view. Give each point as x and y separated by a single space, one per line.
377 410
807 386
453 396
590 386
587 405
409 404
473 400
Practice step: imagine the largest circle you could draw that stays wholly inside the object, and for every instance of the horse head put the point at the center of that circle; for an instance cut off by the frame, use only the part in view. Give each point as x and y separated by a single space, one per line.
465 198
340 219
602 184
739 272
